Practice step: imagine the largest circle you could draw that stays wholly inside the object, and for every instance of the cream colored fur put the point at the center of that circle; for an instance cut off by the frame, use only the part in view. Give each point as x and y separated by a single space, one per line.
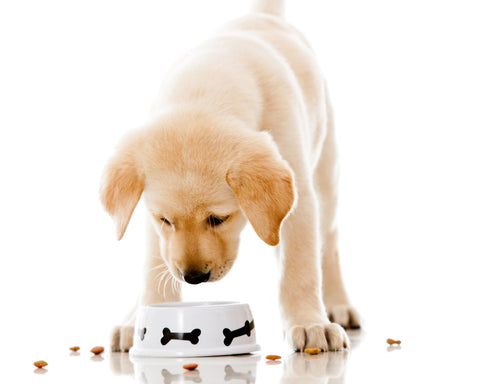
242 130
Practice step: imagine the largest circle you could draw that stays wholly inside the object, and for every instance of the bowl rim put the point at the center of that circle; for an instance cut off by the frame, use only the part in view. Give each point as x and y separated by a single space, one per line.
193 304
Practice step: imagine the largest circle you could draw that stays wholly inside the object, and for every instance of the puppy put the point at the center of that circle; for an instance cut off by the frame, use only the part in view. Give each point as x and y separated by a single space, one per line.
242 130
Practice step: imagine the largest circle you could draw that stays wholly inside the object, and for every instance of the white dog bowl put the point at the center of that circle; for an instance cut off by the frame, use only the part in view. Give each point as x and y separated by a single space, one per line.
194 329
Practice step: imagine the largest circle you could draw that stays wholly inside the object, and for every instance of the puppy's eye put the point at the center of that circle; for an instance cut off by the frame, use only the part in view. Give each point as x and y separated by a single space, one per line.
214 221
165 221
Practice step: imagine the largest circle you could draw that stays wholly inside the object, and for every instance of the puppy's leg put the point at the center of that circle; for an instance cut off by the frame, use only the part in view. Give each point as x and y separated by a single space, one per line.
159 286
326 184
306 321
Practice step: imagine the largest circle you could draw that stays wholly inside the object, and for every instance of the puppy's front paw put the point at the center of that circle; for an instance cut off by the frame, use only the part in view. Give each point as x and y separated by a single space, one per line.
122 338
345 315
325 336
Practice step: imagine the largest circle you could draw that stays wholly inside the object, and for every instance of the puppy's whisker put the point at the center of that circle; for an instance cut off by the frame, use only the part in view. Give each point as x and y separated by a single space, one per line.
159 275
160 266
176 285
165 284
161 278
225 108
168 281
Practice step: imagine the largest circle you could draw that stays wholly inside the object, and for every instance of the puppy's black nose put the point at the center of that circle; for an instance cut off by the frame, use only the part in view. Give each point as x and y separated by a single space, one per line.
195 277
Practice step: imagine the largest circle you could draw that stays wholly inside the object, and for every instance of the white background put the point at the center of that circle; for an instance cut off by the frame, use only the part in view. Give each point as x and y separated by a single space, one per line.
405 82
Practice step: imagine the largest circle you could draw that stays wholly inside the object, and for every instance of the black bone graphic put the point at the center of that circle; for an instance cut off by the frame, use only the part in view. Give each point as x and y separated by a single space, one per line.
230 374
169 378
142 332
168 335
230 335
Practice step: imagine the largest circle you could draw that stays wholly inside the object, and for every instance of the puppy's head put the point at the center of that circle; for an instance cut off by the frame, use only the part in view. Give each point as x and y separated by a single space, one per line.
201 179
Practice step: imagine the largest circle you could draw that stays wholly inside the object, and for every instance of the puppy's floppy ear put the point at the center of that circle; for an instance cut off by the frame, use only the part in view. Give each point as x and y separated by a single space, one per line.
264 186
122 184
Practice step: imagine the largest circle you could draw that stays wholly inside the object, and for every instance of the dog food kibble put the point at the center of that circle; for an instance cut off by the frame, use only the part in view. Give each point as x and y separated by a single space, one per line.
74 349
391 342
273 357
313 351
97 350
190 367
40 364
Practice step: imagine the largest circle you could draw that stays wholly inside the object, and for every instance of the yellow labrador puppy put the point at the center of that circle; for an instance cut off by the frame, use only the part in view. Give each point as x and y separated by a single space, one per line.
242 130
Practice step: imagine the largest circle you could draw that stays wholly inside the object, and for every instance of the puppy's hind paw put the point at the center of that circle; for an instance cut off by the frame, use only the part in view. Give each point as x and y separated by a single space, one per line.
345 315
121 339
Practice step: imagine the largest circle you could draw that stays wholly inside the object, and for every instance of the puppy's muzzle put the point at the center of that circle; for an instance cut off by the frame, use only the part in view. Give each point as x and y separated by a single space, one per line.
195 277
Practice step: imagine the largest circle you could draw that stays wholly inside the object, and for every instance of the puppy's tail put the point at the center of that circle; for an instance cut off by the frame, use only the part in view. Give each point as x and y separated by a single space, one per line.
272 7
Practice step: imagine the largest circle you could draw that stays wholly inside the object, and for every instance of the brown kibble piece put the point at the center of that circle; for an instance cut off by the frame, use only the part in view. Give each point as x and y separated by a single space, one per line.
313 351
97 350
74 349
391 342
40 364
190 367
273 357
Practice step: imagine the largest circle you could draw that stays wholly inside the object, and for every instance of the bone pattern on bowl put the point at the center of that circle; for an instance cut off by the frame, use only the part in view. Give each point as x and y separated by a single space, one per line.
230 335
194 335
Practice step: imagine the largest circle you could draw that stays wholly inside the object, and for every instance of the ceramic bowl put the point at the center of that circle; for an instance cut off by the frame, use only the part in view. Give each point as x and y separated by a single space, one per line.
183 329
